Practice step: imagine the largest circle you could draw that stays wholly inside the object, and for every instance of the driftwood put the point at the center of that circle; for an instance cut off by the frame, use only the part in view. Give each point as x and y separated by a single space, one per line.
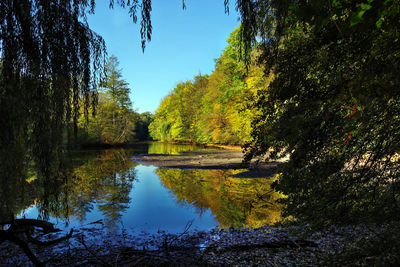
20 228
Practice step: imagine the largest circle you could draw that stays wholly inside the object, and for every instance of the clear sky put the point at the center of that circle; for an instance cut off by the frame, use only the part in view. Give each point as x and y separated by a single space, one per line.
184 43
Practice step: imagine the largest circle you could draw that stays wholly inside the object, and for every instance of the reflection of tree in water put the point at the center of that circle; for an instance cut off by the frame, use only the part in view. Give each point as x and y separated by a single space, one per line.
15 195
20 193
102 177
170 148
105 179
235 202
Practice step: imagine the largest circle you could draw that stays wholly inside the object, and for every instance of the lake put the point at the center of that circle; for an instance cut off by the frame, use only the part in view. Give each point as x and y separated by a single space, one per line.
107 186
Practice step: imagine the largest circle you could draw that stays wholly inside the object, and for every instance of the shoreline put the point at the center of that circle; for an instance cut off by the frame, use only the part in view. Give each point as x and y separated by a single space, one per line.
266 246
287 245
221 159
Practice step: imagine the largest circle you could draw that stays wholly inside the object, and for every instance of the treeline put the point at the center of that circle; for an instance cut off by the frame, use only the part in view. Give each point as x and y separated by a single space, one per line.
323 89
212 108
332 104
114 121
333 107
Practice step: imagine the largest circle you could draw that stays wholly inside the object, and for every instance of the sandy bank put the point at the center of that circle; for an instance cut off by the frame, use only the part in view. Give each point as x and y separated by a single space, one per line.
208 159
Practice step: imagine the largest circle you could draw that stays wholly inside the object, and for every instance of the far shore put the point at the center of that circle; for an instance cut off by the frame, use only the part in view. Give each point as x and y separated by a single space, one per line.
210 159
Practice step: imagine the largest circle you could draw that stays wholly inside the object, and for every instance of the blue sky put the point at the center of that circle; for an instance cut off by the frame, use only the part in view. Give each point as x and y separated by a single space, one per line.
184 43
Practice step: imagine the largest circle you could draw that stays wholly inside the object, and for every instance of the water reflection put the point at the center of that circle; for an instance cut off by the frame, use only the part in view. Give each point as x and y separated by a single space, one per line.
105 179
172 149
97 181
235 202
15 195
108 185
154 207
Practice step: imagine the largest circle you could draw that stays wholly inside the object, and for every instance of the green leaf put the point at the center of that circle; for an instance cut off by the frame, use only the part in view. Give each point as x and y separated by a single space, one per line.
336 4
365 7
379 22
381 19
356 18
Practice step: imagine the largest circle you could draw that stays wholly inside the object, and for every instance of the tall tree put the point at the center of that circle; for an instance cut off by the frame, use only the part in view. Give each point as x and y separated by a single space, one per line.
50 57
114 84
212 109
332 107
115 120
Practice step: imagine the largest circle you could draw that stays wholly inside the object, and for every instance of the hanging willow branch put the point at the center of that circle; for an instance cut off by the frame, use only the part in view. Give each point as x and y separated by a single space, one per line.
26 227
49 61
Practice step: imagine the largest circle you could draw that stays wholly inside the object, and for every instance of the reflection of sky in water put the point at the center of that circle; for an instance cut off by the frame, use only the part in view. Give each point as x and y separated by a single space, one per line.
107 185
153 207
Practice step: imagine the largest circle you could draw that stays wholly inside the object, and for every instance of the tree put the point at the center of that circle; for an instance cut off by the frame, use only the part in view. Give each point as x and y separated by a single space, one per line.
142 126
49 59
213 109
115 120
114 85
333 108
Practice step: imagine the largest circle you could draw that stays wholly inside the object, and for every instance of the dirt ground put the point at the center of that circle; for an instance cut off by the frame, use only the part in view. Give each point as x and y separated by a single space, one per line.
209 159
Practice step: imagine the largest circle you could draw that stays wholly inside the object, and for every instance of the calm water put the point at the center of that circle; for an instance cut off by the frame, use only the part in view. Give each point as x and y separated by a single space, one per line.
107 185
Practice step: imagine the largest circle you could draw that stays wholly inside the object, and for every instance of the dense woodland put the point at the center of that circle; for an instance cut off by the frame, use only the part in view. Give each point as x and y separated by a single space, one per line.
316 80
318 83
213 108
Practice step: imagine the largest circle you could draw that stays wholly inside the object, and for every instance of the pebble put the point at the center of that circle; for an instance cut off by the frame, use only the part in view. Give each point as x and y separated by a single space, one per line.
214 247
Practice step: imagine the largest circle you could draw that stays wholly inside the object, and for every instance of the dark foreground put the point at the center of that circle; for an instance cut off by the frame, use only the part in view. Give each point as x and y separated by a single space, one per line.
266 246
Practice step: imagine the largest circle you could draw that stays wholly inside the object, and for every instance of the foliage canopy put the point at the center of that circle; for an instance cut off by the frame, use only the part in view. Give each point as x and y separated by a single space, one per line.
212 109
115 119
333 107
50 59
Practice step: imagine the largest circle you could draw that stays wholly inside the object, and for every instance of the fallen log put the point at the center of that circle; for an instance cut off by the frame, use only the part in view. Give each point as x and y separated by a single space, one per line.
27 227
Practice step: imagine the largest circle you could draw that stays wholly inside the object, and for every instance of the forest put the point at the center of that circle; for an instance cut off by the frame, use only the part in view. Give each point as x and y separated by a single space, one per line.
317 81
321 87
213 108
114 121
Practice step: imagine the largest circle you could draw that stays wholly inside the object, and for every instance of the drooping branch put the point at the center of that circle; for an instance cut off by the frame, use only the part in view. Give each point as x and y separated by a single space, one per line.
27 227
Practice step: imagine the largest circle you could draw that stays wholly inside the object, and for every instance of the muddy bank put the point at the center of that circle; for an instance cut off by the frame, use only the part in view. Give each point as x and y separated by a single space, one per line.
209 159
